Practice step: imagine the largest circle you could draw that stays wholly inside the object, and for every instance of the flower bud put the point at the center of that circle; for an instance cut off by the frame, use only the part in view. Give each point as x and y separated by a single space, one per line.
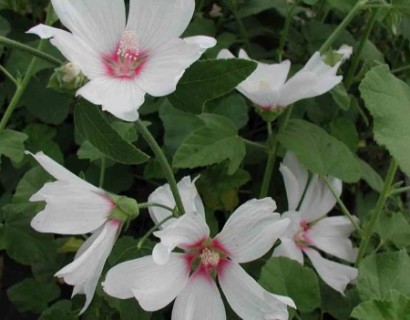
67 78
334 57
125 208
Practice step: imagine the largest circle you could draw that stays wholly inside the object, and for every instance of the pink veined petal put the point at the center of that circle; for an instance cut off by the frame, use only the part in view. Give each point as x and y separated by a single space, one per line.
331 235
252 230
154 286
295 177
189 195
84 272
200 299
70 209
248 299
100 23
318 199
335 275
158 21
288 249
61 173
185 232
165 66
120 97
73 48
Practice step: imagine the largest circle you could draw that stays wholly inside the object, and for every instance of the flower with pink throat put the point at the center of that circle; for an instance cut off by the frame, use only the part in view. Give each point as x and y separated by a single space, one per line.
190 276
269 88
126 58
73 206
310 230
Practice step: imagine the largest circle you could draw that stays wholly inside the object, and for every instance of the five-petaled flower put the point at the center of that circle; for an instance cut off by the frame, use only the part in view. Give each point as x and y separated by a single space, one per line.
268 88
311 230
73 206
126 59
190 276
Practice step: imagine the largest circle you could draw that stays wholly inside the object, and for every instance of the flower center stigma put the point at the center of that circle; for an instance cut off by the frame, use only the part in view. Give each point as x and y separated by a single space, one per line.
209 258
302 238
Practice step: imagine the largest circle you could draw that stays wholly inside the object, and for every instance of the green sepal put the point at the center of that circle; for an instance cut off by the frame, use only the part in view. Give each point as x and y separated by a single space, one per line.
270 115
125 208
65 80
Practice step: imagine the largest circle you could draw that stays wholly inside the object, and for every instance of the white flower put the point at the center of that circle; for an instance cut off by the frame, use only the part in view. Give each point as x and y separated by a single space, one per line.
311 230
73 206
190 277
269 89
124 59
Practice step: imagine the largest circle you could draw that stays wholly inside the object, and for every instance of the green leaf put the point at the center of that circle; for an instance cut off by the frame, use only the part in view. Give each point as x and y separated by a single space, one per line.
371 176
320 152
31 295
93 126
381 273
287 277
388 100
337 305
207 80
233 107
341 97
12 144
396 308
217 141
61 310
394 228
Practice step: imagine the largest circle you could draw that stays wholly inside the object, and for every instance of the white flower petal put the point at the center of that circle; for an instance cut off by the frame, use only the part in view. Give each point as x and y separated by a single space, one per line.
252 230
84 272
121 97
202 42
100 23
335 275
289 249
185 232
248 299
332 236
61 173
318 199
165 66
200 299
70 209
295 177
225 54
154 286
189 195
73 48
158 21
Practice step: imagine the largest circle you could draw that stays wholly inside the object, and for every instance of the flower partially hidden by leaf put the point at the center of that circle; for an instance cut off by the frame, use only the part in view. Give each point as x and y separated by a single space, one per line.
269 88
67 78
311 230
125 59
190 276
73 207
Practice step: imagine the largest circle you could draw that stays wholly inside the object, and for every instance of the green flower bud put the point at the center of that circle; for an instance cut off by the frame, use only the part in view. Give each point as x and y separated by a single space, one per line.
67 78
269 115
125 208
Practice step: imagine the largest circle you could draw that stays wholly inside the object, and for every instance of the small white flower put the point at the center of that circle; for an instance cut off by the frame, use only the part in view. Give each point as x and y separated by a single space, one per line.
269 88
73 206
124 59
311 230
190 277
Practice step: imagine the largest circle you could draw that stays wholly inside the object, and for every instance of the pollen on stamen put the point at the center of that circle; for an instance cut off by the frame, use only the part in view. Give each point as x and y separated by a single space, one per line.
209 258
129 46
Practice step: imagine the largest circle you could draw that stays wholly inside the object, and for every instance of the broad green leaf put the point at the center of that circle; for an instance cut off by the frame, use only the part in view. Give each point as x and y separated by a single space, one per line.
31 295
233 107
88 152
12 144
394 228
344 130
207 80
40 138
381 273
388 100
395 308
287 277
217 141
93 126
320 152
338 305
61 310
253 7
371 176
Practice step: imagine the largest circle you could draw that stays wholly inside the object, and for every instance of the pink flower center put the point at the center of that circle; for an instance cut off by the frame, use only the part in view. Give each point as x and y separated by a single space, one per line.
302 238
127 60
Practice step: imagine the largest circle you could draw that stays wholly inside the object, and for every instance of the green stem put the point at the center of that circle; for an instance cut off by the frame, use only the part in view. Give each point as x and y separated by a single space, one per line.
8 75
166 168
378 210
358 52
33 51
102 172
341 204
401 69
151 231
270 163
400 190
146 205
358 6
254 144
285 32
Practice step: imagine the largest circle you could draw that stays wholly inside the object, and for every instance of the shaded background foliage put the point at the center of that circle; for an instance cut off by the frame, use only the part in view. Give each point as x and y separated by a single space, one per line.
202 127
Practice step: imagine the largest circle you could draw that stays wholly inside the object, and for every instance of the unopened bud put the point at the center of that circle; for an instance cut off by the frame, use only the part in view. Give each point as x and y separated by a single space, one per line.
125 208
67 78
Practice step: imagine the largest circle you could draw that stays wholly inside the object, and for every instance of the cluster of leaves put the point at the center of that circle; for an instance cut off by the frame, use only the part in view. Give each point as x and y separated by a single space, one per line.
204 128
